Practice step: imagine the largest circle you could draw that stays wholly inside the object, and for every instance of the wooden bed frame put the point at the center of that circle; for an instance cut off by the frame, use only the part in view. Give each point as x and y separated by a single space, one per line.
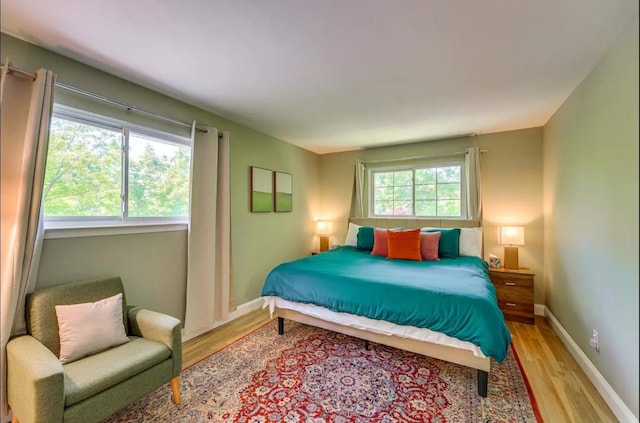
442 352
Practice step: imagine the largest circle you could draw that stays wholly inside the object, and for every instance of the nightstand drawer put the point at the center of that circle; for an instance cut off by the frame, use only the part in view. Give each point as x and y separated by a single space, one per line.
511 280
520 312
514 291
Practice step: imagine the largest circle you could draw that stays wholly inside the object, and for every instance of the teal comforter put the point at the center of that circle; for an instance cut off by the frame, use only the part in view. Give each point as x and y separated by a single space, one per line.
452 296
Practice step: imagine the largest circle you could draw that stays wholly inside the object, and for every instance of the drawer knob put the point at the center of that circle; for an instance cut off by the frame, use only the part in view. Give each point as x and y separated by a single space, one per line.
510 283
511 304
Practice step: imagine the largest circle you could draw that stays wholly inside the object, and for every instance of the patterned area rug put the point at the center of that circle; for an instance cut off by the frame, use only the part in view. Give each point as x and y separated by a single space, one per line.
312 375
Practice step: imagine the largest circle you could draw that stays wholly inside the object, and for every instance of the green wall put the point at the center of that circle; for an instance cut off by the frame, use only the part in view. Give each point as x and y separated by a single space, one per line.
591 215
156 277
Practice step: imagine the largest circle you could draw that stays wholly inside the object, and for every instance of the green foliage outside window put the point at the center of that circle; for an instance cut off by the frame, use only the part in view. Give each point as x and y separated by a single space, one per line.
83 176
84 173
158 178
433 191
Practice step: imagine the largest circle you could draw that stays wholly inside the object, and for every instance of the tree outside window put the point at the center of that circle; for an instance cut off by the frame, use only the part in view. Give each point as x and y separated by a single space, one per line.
434 191
87 173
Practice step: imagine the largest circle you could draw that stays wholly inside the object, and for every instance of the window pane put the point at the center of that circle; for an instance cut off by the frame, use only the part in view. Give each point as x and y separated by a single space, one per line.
403 178
425 208
383 179
384 193
448 207
402 208
83 170
425 192
448 191
426 176
402 193
384 208
158 178
449 174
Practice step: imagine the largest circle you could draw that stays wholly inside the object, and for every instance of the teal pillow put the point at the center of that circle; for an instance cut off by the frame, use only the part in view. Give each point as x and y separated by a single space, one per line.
365 238
449 246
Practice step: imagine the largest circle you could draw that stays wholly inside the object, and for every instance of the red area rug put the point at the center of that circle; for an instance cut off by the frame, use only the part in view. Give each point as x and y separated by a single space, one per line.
312 375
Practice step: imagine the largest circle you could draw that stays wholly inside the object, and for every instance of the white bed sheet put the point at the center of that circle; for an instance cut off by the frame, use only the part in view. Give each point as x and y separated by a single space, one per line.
371 325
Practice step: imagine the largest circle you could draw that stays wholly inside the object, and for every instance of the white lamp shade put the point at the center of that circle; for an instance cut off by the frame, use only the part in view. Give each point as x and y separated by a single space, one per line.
511 235
323 227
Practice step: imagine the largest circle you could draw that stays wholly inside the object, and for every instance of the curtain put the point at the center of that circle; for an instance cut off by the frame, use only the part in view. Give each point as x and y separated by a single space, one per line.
474 185
224 280
26 107
208 251
357 202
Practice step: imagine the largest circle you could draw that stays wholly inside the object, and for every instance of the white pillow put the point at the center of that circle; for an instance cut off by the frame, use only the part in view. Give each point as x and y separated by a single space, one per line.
471 242
90 328
352 235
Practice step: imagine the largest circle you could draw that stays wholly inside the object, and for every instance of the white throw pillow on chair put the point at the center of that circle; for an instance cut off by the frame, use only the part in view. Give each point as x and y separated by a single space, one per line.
90 328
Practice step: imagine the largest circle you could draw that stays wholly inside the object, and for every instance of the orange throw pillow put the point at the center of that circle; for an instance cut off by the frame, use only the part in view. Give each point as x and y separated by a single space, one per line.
404 245
380 243
429 242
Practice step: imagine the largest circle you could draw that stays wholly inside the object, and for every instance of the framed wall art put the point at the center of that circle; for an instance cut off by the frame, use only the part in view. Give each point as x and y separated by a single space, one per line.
261 190
283 186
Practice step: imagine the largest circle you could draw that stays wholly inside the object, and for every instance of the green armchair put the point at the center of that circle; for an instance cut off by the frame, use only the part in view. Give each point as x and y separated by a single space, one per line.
41 389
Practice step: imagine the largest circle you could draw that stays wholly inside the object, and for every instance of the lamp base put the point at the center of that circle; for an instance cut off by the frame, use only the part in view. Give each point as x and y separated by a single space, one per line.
324 242
511 258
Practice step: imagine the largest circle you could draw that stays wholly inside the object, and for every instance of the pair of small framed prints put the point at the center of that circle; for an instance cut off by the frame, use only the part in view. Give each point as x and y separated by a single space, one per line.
270 190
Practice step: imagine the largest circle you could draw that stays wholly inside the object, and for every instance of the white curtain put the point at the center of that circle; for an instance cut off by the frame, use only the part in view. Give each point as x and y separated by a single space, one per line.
357 202
26 107
208 260
224 278
474 185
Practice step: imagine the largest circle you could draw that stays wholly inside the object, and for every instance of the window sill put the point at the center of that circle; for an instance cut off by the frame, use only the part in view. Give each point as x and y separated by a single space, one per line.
70 229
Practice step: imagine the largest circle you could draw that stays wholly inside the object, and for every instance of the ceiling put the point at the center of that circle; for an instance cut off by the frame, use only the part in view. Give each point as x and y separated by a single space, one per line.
334 75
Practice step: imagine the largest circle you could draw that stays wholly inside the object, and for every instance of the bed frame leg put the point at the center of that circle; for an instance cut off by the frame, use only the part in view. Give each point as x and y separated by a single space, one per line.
366 344
280 326
483 381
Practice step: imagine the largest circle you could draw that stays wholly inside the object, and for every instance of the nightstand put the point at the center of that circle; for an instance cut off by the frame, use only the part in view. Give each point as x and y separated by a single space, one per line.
514 289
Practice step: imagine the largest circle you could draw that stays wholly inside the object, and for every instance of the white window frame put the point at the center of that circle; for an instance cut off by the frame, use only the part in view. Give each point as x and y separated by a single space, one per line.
81 225
413 167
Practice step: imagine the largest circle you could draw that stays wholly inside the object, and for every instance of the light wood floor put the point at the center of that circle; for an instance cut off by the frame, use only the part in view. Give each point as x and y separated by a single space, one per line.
562 390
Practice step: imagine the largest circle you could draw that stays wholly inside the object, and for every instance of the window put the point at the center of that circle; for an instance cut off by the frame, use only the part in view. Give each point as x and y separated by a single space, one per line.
421 191
100 169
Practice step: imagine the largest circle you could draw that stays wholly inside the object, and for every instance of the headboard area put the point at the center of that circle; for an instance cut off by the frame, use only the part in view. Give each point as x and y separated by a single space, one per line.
413 223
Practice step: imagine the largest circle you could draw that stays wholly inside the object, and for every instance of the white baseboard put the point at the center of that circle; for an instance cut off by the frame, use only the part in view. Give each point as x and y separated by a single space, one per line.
538 309
242 309
613 400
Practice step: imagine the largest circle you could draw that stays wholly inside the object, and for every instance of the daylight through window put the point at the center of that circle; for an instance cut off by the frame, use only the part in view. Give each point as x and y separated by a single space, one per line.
434 191
100 170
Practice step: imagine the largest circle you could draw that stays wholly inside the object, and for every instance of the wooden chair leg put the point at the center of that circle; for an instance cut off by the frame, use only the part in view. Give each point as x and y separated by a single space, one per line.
175 390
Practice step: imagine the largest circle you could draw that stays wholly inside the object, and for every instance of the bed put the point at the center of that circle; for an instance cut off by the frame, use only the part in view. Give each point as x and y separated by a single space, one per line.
444 309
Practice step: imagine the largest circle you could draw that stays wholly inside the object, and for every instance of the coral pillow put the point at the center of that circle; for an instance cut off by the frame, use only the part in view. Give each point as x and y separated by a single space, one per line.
449 242
429 242
90 328
404 245
380 246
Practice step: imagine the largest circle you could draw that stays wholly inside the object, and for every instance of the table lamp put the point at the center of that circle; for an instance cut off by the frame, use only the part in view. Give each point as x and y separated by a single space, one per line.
323 228
510 237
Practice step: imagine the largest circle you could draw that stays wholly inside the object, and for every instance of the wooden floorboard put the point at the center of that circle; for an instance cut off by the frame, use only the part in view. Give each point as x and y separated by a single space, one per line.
206 344
562 390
